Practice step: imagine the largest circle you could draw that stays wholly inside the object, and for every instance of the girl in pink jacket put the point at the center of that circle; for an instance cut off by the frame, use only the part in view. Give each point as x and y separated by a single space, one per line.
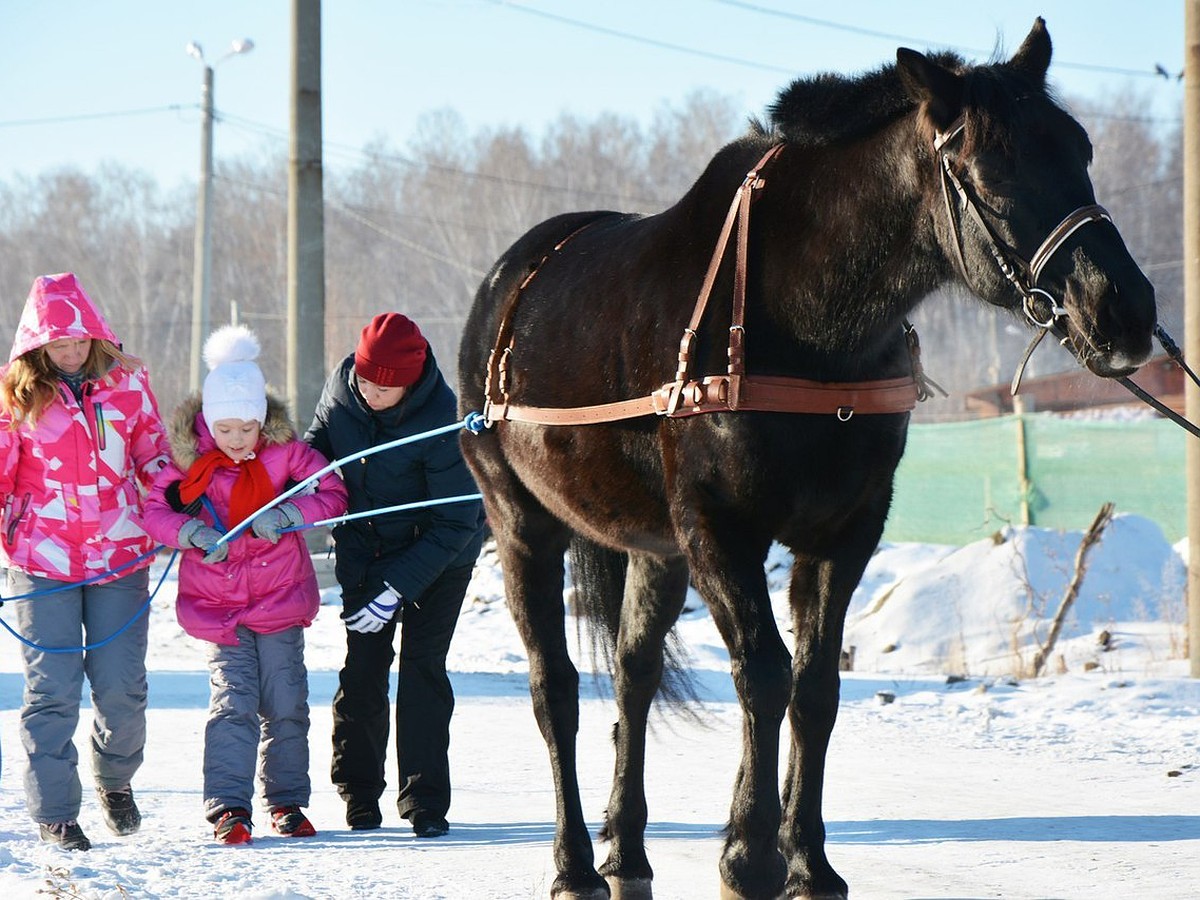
234 450
80 441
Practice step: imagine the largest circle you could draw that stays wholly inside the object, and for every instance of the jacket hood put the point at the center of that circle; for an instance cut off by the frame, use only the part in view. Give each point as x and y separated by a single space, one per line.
190 438
56 308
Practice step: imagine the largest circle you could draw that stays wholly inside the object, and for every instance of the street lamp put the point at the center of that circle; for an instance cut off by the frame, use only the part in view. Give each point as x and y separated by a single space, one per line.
203 265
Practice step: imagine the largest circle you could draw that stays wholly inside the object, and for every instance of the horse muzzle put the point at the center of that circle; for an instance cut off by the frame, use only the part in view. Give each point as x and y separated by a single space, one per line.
1110 321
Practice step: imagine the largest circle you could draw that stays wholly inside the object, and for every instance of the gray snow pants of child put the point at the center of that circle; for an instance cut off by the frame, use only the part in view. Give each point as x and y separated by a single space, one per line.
258 711
79 616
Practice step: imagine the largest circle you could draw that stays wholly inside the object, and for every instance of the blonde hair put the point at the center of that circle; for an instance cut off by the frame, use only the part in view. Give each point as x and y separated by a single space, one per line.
30 383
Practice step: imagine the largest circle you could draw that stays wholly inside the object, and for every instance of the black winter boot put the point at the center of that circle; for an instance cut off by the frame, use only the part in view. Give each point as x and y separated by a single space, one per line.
363 815
67 835
121 814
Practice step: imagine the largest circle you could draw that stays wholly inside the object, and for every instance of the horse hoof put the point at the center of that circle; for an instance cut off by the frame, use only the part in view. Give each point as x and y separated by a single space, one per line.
630 889
728 893
587 894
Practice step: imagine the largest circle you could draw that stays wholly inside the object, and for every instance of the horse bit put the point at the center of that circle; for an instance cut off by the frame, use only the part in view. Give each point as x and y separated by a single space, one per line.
1024 275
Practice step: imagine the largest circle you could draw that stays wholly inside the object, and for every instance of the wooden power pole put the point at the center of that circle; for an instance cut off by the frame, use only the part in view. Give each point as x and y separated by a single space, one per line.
1191 307
306 219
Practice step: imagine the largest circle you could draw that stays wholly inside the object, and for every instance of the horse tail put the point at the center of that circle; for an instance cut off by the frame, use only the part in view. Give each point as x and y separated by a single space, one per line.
598 579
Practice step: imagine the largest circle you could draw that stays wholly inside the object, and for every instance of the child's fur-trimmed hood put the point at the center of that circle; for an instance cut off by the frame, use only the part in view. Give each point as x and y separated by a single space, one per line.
190 437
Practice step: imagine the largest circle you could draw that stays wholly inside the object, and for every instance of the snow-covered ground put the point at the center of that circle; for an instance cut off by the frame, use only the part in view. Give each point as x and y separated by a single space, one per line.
947 776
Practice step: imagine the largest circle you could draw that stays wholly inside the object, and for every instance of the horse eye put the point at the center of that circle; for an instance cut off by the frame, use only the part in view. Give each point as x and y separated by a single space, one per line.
992 176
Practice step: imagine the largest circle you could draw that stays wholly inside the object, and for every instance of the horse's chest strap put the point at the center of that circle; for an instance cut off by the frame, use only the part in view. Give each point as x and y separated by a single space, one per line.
712 394
733 392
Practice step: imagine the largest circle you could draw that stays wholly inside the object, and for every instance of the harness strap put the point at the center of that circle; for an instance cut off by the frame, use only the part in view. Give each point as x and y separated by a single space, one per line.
739 211
497 363
737 331
711 394
1067 227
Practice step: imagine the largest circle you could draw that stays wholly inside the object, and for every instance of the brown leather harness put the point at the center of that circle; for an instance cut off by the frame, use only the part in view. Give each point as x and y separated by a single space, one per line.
733 391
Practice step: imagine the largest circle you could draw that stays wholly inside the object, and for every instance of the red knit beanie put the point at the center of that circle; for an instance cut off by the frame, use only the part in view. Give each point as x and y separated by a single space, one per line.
391 351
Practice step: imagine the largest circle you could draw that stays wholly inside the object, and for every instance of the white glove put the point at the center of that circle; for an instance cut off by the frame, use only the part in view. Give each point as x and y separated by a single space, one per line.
195 533
268 525
377 613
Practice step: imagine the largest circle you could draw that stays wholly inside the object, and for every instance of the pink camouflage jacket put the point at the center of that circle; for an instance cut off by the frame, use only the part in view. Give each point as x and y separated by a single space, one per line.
71 486
265 587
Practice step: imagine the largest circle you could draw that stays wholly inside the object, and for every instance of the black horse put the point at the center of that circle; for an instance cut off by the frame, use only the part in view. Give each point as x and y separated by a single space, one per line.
865 195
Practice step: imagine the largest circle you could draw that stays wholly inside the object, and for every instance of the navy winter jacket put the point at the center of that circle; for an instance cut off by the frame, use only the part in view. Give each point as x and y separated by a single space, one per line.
407 549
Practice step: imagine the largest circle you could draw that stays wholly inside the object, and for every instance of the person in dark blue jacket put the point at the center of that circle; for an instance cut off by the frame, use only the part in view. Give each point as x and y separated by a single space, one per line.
407 569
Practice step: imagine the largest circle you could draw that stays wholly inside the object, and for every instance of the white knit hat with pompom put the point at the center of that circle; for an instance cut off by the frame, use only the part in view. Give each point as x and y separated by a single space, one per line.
235 387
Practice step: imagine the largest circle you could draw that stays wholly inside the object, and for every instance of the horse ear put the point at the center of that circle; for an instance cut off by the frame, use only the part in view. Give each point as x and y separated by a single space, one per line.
936 86
1033 56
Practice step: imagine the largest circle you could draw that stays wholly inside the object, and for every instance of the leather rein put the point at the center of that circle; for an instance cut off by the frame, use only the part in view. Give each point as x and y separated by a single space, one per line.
730 392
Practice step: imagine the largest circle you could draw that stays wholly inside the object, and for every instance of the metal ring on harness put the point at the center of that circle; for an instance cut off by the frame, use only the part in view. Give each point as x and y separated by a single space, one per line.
1056 311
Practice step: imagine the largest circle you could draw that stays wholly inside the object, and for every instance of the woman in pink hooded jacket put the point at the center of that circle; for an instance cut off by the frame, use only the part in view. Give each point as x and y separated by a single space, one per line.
250 597
80 441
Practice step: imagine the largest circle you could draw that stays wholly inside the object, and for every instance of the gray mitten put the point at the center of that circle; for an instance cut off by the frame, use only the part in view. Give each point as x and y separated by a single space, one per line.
269 525
195 533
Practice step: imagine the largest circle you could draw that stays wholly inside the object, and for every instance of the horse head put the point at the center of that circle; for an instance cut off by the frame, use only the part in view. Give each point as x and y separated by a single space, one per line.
1017 215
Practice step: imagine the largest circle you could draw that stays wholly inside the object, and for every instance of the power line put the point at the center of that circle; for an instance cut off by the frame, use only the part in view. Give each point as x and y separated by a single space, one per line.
351 213
652 42
425 167
854 29
80 117
405 242
796 17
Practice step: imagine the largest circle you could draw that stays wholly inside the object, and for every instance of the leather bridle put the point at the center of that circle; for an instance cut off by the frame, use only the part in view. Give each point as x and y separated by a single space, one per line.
1022 274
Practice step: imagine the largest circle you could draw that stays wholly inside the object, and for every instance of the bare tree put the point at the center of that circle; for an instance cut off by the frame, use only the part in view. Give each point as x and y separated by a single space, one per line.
416 230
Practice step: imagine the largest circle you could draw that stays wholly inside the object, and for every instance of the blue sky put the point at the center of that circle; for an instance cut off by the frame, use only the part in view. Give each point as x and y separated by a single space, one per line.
83 81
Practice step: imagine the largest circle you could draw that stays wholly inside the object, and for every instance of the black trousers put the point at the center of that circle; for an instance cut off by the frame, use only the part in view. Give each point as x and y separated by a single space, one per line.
424 703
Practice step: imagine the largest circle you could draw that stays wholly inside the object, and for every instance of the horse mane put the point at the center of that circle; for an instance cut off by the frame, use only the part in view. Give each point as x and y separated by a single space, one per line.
830 108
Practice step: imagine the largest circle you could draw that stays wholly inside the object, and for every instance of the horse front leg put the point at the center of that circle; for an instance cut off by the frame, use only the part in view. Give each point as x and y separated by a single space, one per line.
820 594
655 589
735 588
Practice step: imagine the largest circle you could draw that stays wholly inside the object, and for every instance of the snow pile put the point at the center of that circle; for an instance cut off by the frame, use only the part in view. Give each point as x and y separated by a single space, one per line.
986 608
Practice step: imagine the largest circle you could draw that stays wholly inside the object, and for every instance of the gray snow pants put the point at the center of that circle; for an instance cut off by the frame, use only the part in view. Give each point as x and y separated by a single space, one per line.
258 711
116 672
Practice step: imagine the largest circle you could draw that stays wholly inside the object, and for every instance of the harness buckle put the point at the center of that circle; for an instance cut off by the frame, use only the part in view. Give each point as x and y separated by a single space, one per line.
674 397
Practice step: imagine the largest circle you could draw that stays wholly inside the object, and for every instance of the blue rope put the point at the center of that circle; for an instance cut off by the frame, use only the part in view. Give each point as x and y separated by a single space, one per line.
474 422
112 637
384 510
103 576
378 448
212 511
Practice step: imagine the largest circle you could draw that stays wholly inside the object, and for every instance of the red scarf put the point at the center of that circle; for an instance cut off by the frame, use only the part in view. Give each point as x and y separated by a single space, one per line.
251 491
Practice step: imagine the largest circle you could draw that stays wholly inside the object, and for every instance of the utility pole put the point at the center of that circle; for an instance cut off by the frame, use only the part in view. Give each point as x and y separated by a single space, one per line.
306 224
1191 307
202 252
201 257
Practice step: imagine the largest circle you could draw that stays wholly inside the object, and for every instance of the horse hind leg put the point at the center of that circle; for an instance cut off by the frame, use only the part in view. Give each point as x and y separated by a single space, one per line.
531 543
654 592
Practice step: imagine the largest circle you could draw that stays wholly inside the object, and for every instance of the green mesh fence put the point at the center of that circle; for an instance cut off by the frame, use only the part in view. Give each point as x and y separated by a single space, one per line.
961 481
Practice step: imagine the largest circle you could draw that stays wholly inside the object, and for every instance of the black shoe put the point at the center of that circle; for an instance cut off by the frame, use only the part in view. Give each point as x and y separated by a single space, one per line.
67 835
121 814
427 825
363 815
